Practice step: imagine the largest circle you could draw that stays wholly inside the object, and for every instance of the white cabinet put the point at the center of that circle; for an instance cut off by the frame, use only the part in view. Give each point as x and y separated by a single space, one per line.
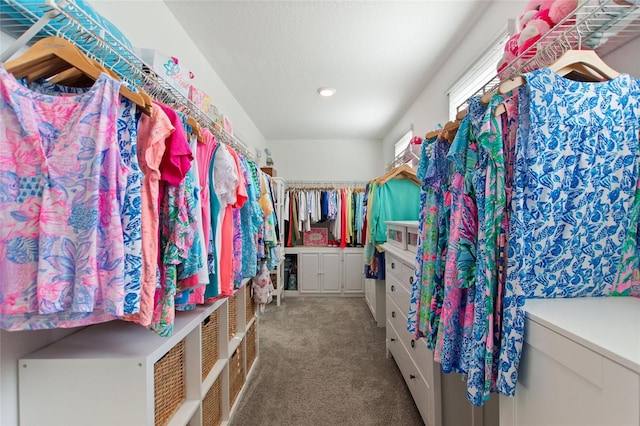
328 271
374 294
440 398
120 373
580 364
353 272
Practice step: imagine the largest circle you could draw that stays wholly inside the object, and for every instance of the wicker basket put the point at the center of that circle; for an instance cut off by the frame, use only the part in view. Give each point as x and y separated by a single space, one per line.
212 405
209 343
233 322
252 343
169 384
251 306
236 375
274 280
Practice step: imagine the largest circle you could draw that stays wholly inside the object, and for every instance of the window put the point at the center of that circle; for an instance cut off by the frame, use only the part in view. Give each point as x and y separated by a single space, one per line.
401 145
475 78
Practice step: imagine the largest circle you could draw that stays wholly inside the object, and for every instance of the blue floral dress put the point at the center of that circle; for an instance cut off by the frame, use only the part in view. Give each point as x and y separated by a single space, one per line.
576 173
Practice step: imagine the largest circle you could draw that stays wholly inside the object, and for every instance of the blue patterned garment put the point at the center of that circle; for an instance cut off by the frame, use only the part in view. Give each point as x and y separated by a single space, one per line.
131 202
252 220
576 171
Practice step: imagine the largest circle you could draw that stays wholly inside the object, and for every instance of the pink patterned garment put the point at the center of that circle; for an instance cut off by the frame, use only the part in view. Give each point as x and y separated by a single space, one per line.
61 182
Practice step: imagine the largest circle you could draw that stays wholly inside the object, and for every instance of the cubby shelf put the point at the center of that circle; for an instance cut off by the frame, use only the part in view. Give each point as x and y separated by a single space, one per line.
109 371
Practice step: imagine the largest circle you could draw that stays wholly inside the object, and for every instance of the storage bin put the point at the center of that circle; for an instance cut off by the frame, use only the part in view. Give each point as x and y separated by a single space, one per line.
252 344
233 320
212 405
397 235
169 384
251 306
412 239
209 345
236 375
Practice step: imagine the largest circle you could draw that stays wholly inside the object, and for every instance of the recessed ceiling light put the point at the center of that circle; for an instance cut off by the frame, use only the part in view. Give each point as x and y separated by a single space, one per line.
326 91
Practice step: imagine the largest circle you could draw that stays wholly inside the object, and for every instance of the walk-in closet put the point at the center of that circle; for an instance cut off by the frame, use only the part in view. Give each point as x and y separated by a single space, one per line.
255 213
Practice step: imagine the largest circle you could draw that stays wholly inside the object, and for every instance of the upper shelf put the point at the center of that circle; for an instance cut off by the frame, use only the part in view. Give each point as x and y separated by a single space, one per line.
600 25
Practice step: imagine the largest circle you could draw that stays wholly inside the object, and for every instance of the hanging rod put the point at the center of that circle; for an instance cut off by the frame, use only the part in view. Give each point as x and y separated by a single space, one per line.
302 184
30 22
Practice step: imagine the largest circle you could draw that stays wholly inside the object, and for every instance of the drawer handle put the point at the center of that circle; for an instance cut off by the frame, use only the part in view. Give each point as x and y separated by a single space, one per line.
392 339
410 280
393 288
411 376
413 343
393 265
393 314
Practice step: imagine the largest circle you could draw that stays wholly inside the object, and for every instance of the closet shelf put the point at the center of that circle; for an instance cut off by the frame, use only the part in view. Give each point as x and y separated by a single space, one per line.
600 25
30 22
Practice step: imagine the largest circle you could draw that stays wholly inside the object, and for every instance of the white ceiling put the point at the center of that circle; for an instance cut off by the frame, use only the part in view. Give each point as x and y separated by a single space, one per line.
378 55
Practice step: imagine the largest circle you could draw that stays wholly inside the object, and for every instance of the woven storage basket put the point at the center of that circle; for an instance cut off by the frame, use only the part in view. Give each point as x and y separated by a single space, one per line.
233 322
236 375
252 343
212 405
274 281
169 384
251 306
209 343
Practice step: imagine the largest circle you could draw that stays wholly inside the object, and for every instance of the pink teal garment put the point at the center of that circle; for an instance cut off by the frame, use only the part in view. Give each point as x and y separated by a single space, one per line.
491 199
575 188
456 321
205 153
180 249
61 237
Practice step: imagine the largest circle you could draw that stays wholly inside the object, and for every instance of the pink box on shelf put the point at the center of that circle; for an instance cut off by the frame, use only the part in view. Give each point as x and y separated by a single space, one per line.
316 237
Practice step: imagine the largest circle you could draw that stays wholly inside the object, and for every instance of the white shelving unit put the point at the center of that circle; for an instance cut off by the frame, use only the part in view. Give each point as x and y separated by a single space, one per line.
277 274
118 373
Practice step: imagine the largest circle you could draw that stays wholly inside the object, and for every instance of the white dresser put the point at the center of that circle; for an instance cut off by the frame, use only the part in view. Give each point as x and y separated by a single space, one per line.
440 398
580 364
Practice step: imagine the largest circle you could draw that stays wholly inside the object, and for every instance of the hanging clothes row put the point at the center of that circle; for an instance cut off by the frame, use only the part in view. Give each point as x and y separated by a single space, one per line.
337 209
393 196
110 214
540 201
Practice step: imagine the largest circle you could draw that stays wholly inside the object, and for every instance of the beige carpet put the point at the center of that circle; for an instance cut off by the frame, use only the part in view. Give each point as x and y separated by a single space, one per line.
322 362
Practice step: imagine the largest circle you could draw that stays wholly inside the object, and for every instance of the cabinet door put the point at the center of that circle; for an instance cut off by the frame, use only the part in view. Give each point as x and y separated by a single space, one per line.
331 273
353 273
309 273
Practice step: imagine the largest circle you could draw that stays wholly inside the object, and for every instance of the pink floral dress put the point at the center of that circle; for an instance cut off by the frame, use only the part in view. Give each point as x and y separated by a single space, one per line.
61 236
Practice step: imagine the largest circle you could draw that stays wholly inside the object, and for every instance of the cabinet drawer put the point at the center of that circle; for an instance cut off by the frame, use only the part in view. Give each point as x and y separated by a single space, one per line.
399 294
417 348
421 392
393 266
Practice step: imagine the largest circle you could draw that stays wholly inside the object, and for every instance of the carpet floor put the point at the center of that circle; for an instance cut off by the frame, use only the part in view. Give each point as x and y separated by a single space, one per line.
322 362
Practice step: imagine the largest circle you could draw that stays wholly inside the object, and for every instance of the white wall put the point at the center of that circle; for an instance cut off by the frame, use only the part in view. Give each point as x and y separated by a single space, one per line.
431 106
150 24
626 58
327 160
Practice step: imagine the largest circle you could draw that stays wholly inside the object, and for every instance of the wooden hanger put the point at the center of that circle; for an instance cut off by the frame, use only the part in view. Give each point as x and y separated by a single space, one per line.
195 128
400 171
53 55
461 114
570 61
432 134
449 130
